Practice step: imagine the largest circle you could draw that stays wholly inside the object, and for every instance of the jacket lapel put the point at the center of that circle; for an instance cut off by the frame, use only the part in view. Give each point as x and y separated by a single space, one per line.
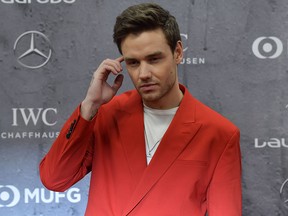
180 132
131 127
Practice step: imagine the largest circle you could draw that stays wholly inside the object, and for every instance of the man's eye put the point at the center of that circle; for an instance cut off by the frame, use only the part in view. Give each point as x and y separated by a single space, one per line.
154 60
132 63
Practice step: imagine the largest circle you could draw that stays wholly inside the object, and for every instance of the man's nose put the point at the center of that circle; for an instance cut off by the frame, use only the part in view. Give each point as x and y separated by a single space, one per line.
144 71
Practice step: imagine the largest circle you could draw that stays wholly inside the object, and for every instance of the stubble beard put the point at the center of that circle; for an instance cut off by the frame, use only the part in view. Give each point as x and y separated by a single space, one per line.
155 97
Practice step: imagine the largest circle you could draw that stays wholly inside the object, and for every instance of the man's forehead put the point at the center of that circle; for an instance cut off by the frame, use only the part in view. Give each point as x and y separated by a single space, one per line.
150 36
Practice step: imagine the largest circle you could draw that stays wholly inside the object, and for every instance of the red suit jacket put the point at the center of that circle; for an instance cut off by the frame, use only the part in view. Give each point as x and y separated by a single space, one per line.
196 168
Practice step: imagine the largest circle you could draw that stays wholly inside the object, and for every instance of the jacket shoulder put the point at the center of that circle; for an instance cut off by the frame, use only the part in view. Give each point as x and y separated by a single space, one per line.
123 101
210 117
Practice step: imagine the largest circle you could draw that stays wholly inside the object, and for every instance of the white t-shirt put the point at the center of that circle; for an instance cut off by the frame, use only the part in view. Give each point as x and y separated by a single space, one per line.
156 123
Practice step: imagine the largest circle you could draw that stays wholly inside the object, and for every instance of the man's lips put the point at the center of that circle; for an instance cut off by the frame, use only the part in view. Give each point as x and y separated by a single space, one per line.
147 86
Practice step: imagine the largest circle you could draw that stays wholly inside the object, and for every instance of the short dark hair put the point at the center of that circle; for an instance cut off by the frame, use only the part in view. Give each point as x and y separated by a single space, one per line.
144 17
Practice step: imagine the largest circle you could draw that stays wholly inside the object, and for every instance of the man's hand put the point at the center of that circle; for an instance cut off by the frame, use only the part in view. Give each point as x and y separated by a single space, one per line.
99 91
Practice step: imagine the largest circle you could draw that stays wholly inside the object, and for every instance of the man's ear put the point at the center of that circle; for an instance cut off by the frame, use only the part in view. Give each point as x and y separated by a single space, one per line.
178 52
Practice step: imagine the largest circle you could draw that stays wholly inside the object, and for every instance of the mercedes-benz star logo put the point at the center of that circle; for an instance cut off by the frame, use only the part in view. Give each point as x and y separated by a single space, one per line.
32 49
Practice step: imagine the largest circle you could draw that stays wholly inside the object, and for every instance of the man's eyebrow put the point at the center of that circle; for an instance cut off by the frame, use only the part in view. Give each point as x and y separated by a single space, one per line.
129 59
157 53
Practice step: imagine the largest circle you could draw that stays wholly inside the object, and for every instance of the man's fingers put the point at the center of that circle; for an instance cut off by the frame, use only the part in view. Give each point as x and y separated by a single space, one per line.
117 83
109 66
113 65
112 68
120 59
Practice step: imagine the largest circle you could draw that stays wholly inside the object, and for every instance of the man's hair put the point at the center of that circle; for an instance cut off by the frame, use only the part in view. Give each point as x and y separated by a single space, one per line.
146 17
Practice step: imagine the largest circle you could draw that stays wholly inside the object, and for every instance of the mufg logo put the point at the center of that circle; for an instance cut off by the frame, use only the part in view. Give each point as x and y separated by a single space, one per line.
10 196
267 47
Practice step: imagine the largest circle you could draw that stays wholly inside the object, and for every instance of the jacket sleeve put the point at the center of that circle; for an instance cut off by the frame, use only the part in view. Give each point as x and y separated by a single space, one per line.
224 193
70 157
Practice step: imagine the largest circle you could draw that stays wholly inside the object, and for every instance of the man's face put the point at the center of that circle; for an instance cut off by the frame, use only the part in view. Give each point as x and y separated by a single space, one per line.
153 67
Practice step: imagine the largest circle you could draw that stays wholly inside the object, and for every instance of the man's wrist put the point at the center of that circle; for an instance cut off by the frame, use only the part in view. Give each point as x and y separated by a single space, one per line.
88 110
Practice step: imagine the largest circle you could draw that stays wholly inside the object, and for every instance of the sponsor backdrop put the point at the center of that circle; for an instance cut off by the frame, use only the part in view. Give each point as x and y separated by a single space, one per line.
235 62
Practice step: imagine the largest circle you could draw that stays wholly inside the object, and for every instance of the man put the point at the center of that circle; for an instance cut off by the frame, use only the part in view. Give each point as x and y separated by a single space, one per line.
152 151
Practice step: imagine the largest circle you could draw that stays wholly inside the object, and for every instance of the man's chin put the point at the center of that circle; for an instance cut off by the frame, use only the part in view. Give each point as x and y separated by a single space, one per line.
149 98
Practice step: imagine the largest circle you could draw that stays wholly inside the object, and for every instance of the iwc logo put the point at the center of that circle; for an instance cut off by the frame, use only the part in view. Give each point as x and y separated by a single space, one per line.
32 49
